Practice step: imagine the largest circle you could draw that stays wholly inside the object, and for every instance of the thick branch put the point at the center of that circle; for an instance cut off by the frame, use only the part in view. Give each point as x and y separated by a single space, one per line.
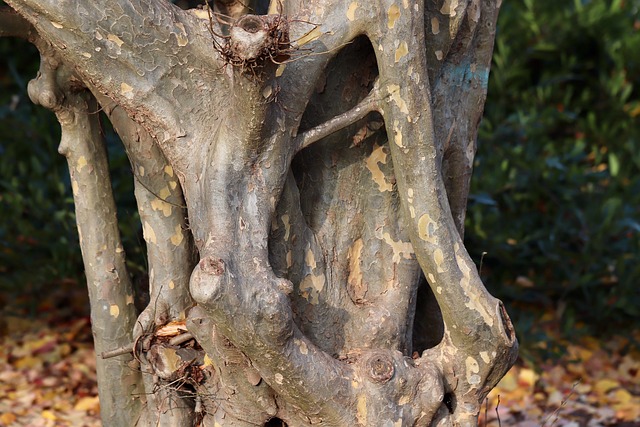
113 313
475 323
139 44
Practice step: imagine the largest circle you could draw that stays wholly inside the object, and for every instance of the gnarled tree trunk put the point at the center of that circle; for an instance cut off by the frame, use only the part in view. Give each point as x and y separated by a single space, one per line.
301 178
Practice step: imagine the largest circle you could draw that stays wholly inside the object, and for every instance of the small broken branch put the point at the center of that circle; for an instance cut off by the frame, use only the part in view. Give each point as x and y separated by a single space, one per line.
125 349
369 104
179 339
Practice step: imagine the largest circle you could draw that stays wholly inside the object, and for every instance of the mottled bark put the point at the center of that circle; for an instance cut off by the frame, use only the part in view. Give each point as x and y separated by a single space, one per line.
113 313
323 155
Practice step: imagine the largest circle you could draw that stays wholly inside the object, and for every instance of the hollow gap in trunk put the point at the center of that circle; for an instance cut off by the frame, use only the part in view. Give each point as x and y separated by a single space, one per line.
428 326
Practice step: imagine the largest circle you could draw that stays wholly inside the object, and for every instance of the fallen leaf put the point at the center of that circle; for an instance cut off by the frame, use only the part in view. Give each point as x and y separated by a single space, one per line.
8 418
88 404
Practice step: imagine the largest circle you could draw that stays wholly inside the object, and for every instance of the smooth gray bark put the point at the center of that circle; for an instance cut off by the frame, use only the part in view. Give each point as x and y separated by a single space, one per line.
297 175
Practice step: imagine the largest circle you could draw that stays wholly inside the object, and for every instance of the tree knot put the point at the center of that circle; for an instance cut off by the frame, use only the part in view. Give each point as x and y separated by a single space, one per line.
257 39
379 367
213 266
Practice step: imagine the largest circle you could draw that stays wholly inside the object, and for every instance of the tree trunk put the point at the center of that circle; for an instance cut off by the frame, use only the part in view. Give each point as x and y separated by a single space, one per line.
301 179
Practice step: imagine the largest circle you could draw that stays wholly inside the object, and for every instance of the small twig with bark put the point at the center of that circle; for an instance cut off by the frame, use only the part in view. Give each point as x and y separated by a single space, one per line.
369 104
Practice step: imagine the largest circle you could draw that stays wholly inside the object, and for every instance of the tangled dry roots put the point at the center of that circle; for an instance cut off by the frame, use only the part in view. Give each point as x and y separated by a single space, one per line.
257 39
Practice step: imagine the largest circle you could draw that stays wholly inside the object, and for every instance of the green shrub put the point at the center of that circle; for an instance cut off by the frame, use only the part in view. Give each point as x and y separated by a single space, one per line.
38 236
556 191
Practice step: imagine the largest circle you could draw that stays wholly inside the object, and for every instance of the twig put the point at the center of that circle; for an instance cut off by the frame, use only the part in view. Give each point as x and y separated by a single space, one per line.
125 349
562 405
364 107
498 413
179 339
481 260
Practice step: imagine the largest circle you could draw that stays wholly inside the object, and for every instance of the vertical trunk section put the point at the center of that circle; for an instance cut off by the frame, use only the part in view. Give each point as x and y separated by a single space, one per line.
113 313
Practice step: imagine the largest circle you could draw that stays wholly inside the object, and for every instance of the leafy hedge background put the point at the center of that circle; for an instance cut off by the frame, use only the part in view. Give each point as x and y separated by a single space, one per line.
555 198
554 214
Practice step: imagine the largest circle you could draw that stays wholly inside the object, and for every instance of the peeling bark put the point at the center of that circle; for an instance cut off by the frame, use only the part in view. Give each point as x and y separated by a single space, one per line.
297 174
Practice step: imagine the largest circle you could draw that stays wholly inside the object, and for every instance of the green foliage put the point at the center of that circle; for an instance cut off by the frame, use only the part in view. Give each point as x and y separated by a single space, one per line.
556 189
36 209
38 236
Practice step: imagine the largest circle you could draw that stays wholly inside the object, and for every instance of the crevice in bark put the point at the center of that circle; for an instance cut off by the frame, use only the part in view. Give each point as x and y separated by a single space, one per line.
428 327
275 422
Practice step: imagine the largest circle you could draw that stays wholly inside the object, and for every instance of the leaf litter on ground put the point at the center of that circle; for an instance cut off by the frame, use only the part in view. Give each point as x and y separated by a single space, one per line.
47 378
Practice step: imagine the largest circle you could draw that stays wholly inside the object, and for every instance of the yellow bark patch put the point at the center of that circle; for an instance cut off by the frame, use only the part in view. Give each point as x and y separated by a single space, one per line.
164 193
311 286
394 91
141 170
289 259
280 69
302 346
178 236
472 371
117 40
81 163
310 259
351 12
74 187
168 170
485 357
172 285
400 249
56 25
114 310
412 211
378 155
182 37
432 278
427 228
148 233
129 299
162 206
438 258
394 14
173 185
405 4
361 408
207 362
435 25
439 55
397 138
355 282
474 293
126 90
402 50
279 378
449 8
287 226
